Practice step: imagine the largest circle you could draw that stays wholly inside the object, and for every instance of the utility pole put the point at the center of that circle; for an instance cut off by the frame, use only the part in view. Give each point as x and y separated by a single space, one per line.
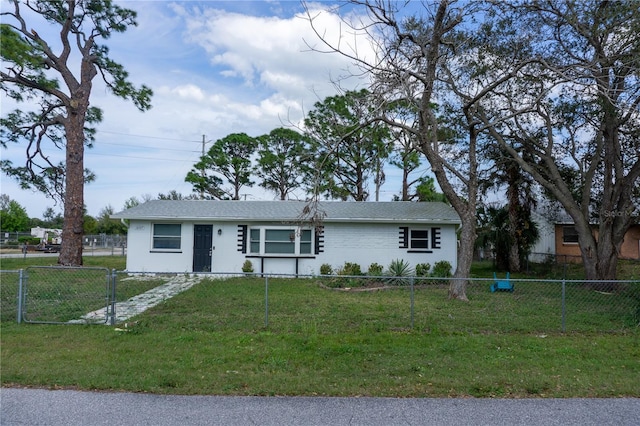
202 171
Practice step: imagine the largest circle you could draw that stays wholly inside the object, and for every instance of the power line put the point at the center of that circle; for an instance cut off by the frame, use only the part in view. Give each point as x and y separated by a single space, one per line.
142 146
149 137
141 158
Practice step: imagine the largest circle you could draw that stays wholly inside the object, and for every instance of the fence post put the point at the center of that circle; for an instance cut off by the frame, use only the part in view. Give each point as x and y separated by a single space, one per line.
114 280
411 281
564 305
20 290
266 301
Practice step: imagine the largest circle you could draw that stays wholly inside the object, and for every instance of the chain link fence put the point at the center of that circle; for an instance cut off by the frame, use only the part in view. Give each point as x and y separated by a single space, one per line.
62 295
102 244
9 285
324 303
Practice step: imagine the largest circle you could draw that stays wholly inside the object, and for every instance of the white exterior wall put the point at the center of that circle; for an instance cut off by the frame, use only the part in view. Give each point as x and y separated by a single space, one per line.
361 243
140 257
365 244
546 244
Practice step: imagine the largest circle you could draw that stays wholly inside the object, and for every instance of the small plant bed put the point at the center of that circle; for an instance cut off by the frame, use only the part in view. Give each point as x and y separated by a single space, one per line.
398 274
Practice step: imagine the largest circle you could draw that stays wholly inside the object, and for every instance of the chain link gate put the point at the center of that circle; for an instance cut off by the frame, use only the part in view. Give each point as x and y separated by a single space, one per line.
67 295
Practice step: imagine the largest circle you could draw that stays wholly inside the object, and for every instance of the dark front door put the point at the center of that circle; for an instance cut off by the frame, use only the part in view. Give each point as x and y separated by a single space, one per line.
202 246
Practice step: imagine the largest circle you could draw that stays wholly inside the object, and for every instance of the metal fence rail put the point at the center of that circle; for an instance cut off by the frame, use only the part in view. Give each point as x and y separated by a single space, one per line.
253 301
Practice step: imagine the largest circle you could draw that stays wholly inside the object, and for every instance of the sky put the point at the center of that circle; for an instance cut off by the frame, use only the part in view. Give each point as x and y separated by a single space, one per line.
216 68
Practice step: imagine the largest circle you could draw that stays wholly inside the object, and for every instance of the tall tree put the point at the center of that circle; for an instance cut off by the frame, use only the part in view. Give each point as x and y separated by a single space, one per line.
406 153
495 231
106 225
576 106
175 195
426 191
52 219
89 225
283 155
520 201
33 69
407 159
13 217
348 145
228 158
408 69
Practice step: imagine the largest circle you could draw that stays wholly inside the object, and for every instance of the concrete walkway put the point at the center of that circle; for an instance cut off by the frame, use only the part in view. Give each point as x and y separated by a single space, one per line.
140 303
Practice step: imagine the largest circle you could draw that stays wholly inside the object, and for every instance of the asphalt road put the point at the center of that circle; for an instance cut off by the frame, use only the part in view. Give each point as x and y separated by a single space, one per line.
69 408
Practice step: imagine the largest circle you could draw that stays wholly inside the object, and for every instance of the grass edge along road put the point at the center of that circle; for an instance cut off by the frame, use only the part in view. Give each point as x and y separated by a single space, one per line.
211 340
384 364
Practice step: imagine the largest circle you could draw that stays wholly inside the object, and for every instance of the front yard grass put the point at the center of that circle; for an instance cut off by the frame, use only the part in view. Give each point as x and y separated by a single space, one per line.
212 339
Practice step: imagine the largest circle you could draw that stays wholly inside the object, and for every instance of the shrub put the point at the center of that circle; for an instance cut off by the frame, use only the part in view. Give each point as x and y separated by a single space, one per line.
441 269
399 271
346 276
422 269
375 270
247 266
350 269
29 240
326 269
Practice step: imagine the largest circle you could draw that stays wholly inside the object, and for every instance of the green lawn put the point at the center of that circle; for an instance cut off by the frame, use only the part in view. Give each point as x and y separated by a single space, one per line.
212 339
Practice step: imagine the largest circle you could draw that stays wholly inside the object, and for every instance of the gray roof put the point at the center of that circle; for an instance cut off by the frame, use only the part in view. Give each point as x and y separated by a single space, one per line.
257 211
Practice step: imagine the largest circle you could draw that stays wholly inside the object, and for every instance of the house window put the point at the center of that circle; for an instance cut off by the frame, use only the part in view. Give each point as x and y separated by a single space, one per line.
569 234
305 241
280 241
167 236
419 239
254 241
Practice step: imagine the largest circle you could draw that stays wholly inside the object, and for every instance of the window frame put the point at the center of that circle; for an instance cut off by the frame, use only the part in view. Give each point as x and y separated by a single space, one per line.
157 237
573 235
303 242
419 243
421 239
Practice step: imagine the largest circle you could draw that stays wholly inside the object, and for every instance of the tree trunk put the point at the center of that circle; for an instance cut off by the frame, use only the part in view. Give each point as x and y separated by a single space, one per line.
72 230
458 286
610 237
607 265
512 208
405 185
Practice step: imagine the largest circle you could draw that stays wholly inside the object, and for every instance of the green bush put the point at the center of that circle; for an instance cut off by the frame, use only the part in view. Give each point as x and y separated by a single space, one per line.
441 269
350 269
247 266
326 269
29 240
346 276
422 269
399 271
375 270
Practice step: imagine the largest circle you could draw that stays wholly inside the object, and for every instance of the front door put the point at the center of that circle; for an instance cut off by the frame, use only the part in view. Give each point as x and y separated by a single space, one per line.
202 246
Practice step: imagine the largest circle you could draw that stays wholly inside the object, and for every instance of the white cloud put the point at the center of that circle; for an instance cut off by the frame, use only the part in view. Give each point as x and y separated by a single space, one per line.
214 71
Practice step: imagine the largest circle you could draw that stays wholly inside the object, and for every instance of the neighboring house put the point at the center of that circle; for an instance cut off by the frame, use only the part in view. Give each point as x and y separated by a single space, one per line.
568 250
546 244
219 236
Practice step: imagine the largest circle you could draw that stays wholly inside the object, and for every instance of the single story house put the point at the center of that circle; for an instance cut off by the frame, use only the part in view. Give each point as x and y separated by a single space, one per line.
568 250
219 236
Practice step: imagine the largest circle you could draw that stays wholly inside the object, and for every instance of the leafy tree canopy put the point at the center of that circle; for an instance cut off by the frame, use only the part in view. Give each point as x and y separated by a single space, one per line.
13 217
